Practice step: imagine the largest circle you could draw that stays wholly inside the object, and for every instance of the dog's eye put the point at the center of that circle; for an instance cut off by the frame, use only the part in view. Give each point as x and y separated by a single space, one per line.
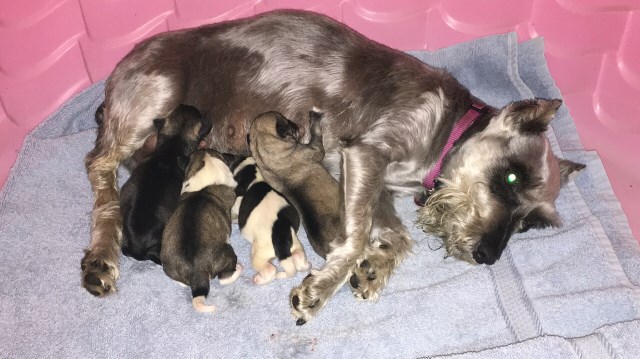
512 178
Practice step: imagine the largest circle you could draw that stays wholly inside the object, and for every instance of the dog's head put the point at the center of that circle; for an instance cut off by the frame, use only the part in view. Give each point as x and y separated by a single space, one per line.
185 122
207 168
501 180
270 133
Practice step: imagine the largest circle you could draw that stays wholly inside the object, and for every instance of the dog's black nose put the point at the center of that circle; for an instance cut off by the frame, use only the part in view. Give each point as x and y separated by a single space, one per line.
485 255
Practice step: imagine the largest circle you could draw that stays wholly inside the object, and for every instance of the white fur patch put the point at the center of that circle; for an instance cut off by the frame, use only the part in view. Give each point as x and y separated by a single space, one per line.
214 172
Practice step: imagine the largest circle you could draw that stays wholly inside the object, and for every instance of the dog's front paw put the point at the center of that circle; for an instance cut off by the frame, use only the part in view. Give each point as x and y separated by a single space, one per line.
306 300
370 275
98 275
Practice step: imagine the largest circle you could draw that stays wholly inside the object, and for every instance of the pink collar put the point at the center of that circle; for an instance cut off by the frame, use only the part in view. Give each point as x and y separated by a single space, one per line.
459 128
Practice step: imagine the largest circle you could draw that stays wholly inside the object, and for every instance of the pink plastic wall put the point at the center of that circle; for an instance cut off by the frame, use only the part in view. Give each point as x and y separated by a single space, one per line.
52 49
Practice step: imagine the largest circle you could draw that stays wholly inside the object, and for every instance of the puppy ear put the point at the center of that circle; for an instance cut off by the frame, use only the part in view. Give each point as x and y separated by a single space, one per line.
205 127
532 116
286 128
569 170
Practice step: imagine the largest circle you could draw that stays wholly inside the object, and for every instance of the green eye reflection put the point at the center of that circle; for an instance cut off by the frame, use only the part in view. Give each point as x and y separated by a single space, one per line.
512 178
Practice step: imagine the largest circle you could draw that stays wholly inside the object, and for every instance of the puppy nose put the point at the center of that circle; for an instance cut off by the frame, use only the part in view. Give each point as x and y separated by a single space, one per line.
485 255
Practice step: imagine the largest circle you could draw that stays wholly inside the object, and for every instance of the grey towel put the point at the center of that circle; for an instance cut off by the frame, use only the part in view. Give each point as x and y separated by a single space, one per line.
579 281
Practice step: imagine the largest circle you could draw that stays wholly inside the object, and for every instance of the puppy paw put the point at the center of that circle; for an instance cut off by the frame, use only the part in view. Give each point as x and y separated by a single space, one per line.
369 276
306 301
98 275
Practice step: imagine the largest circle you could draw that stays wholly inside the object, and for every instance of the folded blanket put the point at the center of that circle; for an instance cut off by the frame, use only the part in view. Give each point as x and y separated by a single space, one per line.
555 292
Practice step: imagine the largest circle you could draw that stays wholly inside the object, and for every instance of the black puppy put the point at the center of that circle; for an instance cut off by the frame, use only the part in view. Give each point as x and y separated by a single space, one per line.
151 194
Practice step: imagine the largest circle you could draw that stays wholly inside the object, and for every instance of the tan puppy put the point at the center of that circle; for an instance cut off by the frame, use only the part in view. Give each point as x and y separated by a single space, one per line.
195 245
295 170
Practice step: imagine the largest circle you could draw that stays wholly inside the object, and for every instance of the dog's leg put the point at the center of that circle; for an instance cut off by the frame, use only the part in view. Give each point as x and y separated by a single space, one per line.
390 244
127 122
361 182
100 262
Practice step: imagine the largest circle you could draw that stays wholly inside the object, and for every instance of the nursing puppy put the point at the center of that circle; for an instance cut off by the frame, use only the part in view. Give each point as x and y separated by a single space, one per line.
195 246
151 193
269 223
295 170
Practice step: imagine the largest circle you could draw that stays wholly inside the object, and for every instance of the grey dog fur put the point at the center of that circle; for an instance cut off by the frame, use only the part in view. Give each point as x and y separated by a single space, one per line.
387 117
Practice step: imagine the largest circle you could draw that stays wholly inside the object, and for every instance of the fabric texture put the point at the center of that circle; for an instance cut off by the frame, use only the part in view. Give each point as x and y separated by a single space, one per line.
566 292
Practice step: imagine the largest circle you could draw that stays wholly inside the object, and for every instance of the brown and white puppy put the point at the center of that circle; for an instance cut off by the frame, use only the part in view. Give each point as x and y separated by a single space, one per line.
151 193
195 246
269 223
386 119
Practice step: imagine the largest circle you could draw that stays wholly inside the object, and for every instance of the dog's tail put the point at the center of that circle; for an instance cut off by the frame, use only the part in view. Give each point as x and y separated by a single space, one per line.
200 290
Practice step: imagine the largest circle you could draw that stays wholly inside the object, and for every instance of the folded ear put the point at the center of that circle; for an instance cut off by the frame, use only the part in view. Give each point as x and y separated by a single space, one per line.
532 116
569 170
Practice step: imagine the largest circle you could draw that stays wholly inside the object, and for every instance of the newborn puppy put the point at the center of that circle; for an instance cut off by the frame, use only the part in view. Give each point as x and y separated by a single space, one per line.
194 243
295 170
269 223
151 193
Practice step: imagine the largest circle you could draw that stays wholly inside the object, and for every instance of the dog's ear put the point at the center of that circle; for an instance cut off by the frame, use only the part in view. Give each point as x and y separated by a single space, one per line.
99 115
205 128
286 128
532 116
569 170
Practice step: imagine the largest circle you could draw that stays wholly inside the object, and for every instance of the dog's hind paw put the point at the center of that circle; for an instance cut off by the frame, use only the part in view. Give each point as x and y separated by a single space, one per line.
305 301
98 276
369 276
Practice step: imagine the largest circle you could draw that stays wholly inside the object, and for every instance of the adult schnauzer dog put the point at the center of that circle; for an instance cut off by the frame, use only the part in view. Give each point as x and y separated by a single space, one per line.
387 119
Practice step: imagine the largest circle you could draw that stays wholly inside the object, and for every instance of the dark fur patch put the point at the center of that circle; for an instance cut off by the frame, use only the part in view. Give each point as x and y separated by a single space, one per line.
251 200
148 198
281 237
190 247
281 234
244 178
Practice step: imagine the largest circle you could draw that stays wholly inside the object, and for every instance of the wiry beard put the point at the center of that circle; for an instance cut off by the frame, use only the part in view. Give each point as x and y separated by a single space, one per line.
453 215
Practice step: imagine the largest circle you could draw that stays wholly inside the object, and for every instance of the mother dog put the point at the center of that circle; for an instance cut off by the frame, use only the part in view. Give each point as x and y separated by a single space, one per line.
387 119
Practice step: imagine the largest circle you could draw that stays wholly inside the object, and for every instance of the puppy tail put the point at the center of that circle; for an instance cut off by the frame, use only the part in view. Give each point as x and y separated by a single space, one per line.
200 291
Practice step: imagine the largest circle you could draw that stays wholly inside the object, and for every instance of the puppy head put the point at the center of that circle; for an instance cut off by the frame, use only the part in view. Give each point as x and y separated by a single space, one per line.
502 180
271 132
206 168
185 122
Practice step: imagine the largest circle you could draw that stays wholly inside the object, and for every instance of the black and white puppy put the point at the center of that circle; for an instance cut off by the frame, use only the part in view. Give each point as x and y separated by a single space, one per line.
195 245
151 194
269 222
